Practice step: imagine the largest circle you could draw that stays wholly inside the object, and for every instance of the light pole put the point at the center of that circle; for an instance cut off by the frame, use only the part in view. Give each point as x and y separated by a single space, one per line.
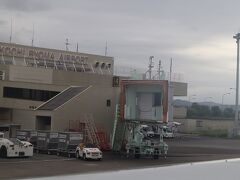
223 96
237 37
233 89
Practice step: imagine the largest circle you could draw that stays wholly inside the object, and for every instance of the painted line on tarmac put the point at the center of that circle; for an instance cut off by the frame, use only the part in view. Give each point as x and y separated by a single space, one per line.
33 161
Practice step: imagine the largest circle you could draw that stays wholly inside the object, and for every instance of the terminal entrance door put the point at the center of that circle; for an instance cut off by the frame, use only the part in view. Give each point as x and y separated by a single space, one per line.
43 123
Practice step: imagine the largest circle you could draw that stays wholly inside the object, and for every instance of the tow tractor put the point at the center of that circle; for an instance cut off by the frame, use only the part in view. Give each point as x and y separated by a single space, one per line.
88 151
146 140
13 147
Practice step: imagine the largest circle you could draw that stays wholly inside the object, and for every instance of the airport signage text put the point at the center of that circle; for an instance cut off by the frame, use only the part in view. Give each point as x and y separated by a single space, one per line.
40 54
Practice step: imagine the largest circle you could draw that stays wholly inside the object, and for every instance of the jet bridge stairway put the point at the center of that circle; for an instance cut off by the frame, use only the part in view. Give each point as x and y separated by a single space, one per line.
118 131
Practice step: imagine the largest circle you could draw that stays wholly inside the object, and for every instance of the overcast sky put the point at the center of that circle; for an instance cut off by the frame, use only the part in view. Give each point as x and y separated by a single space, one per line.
196 34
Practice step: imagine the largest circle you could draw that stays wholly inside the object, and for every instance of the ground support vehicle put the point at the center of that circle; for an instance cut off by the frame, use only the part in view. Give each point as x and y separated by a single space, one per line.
9 130
167 132
28 135
13 147
170 129
143 143
68 142
88 151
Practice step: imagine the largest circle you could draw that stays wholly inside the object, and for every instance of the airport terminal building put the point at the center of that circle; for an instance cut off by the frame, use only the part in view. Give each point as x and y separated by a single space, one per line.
46 89
49 89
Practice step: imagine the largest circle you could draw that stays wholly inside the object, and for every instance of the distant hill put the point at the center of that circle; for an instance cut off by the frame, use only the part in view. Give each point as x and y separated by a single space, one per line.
181 103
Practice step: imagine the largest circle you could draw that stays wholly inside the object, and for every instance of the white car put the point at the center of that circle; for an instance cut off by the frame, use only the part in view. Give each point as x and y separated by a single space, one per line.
15 148
88 151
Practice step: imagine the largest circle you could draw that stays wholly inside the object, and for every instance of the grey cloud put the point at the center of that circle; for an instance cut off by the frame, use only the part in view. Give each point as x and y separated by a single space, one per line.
3 23
25 5
135 30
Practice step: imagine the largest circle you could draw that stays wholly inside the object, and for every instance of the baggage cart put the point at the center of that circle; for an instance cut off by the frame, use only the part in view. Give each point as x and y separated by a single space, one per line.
42 141
52 142
68 142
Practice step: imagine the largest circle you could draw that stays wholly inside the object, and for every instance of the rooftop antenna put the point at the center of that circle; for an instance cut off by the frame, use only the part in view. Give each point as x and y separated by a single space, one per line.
170 79
77 47
10 39
158 74
170 94
33 35
150 66
67 44
106 49
159 69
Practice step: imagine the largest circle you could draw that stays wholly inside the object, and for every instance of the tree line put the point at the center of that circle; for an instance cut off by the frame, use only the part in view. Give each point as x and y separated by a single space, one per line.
197 110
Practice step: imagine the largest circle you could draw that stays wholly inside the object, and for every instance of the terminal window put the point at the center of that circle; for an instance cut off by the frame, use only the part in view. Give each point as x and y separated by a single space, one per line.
28 94
2 75
199 124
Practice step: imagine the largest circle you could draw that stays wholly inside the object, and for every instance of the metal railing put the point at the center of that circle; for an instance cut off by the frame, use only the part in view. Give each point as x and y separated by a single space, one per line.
139 74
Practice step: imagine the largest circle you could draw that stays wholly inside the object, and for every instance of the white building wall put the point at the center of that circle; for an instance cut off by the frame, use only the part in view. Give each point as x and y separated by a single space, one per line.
198 125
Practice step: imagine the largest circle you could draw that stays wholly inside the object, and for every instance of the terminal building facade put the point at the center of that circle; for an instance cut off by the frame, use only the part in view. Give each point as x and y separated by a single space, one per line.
31 76
49 89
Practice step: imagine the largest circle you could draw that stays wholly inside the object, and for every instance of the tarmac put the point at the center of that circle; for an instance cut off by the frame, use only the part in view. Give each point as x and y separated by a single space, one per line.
183 149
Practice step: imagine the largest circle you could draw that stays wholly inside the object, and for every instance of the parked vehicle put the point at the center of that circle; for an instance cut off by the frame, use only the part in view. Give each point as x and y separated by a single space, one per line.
13 147
88 151
28 135
171 129
167 132
147 131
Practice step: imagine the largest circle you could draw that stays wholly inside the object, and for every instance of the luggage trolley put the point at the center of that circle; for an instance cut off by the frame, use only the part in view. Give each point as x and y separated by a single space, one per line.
52 142
42 141
68 142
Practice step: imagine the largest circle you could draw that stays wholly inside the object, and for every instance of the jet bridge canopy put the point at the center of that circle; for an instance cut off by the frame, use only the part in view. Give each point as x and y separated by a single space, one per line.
62 98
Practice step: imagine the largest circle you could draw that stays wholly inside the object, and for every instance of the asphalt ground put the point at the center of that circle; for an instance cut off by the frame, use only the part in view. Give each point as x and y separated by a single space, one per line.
181 150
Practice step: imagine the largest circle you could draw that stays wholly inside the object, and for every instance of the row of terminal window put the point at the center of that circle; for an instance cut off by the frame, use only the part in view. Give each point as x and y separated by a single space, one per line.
33 94
28 94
